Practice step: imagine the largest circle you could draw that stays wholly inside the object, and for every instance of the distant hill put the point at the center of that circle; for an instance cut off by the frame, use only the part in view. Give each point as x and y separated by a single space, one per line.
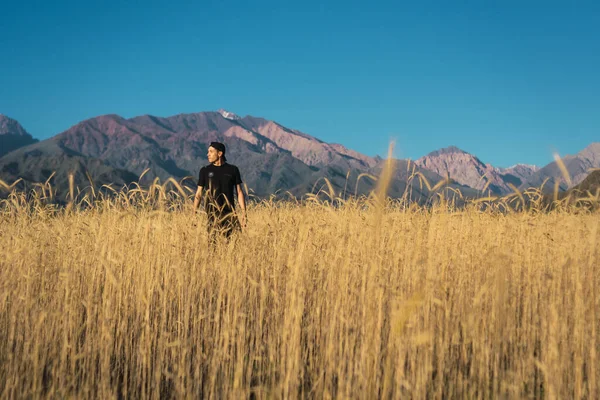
586 189
404 180
469 170
578 167
517 174
590 184
12 135
36 163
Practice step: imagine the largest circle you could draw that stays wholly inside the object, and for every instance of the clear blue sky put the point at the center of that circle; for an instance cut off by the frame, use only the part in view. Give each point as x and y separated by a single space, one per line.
506 81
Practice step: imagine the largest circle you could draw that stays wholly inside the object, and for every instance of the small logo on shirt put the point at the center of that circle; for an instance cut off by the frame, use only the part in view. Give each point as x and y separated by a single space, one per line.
211 174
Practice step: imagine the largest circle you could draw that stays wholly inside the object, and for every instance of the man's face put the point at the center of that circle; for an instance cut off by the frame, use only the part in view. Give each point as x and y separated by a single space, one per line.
213 154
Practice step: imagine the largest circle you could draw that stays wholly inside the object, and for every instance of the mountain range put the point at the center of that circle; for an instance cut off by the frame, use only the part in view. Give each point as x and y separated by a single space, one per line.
273 158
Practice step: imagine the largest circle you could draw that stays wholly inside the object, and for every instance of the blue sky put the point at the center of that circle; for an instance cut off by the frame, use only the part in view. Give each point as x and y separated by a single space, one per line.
508 81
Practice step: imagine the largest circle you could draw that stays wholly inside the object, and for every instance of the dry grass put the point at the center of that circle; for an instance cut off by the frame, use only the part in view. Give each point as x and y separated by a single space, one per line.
122 298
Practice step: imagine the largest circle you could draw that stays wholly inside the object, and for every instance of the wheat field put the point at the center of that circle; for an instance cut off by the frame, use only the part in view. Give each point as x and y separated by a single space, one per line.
123 298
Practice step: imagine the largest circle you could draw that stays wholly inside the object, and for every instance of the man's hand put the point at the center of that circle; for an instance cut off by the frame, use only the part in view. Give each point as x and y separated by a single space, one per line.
243 220
242 203
197 199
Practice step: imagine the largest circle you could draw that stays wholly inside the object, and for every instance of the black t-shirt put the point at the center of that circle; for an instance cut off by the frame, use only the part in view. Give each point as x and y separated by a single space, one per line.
219 183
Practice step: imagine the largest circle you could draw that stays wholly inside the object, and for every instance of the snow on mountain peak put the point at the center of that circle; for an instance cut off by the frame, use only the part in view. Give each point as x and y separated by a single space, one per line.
534 167
228 114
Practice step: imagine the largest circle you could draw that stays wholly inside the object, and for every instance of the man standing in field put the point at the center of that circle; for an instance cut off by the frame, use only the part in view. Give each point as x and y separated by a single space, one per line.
221 181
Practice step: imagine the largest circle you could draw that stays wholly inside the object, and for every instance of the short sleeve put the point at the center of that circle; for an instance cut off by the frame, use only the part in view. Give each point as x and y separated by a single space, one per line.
202 177
238 177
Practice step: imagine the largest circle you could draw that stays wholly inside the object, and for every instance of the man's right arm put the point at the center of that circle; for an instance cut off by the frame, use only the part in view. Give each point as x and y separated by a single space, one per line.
197 199
201 184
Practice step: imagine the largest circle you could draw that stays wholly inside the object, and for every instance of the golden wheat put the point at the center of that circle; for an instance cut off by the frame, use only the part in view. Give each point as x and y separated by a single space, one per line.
120 296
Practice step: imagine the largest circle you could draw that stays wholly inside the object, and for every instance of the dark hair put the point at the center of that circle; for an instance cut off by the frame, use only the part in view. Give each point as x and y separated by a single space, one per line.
219 147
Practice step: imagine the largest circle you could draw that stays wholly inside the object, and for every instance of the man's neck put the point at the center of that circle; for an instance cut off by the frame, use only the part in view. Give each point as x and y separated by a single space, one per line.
218 163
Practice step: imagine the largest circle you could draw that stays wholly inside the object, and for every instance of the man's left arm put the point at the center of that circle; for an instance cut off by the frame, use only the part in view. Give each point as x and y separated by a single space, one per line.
242 204
241 200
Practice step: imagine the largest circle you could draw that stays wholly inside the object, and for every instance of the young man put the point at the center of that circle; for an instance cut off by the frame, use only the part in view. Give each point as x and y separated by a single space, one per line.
221 181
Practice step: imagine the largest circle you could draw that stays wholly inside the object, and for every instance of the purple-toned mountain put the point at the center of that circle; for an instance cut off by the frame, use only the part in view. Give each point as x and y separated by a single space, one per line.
12 135
469 170
272 158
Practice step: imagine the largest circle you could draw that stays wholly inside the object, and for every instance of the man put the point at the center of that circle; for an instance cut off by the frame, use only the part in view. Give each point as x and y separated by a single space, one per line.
222 181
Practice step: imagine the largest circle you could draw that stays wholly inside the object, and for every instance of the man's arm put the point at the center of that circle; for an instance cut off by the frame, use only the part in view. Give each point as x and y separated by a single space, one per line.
201 184
197 199
242 204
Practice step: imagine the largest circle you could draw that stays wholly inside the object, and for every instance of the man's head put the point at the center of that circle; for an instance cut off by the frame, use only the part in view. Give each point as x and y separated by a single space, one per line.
216 151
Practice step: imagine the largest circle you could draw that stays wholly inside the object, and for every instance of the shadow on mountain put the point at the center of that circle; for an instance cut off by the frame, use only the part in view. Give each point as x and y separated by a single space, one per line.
35 164
585 195
10 143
